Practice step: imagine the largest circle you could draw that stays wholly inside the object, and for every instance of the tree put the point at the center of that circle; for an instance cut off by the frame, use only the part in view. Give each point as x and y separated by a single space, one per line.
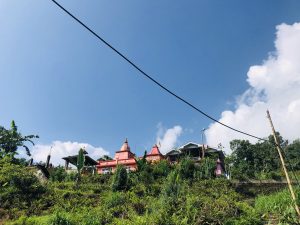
206 169
172 186
144 170
161 168
141 163
80 163
252 160
104 158
186 168
80 160
120 179
292 152
11 140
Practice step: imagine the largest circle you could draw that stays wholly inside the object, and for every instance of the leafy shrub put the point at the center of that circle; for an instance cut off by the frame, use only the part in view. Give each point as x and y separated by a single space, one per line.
60 219
173 185
58 174
186 168
33 220
114 199
19 187
161 168
206 169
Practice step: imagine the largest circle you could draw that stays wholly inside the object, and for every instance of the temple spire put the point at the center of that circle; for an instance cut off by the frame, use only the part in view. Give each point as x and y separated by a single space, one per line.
155 150
125 146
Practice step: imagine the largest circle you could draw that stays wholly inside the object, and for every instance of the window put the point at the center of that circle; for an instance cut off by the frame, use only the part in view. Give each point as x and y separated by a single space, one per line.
106 170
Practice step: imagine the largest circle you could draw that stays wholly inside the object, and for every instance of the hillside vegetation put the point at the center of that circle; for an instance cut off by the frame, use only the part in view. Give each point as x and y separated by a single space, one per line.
158 193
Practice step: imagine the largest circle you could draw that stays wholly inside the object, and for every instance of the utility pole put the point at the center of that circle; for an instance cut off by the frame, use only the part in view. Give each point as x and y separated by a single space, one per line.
283 164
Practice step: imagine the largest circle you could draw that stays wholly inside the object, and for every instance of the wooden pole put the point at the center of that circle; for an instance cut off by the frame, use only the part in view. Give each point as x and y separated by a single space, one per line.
283 164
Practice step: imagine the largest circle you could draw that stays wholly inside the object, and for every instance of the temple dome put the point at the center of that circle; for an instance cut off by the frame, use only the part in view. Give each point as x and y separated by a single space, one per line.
125 146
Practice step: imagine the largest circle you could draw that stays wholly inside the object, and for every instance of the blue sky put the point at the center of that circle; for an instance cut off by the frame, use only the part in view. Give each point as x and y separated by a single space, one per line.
60 82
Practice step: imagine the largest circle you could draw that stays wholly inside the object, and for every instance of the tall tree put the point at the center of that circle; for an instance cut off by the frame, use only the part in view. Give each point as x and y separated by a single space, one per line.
249 160
80 165
11 140
292 153
104 158
120 179
141 163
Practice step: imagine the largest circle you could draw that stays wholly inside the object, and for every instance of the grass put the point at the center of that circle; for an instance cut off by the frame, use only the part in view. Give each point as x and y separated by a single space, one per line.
277 207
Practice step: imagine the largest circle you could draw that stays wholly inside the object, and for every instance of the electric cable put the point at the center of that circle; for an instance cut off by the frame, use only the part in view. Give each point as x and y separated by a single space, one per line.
151 78
164 87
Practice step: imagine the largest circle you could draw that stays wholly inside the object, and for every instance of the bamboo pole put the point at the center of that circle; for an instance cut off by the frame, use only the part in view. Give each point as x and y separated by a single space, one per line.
283 164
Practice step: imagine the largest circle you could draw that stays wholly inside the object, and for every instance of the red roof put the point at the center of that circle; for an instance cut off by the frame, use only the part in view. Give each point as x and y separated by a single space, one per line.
154 151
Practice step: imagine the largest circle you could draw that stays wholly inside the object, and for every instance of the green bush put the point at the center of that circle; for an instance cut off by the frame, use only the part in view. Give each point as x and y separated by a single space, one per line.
172 186
33 220
114 199
186 168
20 188
58 174
161 169
206 169
60 219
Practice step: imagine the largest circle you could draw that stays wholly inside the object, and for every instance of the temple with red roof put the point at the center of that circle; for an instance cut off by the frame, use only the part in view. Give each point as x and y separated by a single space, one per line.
154 154
122 157
126 158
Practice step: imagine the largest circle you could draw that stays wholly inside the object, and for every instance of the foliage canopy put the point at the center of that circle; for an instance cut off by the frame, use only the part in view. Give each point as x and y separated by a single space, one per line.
11 140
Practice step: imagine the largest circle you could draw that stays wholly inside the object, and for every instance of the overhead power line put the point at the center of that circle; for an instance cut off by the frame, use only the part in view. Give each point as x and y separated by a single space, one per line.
151 78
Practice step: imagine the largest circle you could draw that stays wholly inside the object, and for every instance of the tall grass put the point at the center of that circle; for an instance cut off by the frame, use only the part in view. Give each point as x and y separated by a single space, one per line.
277 207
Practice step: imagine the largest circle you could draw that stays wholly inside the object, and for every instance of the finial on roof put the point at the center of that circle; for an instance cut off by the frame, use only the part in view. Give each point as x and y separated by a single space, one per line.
125 146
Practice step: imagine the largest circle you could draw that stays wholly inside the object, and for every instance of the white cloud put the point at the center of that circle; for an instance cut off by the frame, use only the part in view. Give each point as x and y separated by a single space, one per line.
62 149
274 85
167 137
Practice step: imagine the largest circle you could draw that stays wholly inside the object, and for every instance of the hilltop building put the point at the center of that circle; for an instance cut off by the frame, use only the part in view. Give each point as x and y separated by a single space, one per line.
196 152
126 158
122 157
192 150
154 155
89 163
